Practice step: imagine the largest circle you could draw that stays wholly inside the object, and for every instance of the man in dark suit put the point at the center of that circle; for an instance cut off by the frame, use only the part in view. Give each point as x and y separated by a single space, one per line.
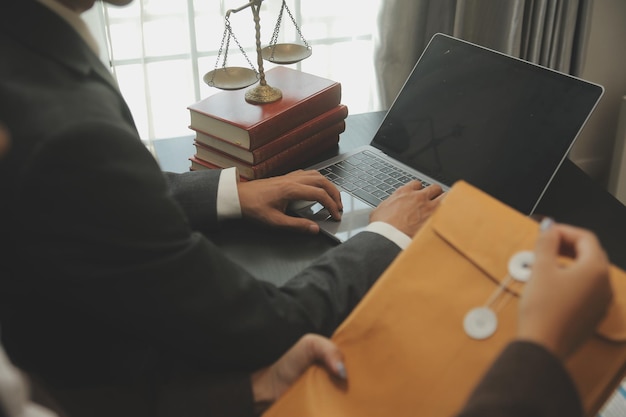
107 267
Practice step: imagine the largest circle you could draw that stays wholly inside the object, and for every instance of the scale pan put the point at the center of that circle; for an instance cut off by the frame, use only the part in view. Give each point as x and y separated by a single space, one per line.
231 78
285 53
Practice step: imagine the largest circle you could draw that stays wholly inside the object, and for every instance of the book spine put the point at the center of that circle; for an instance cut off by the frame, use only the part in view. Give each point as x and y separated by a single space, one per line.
199 164
204 141
292 137
300 113
290 158
274 147
294 157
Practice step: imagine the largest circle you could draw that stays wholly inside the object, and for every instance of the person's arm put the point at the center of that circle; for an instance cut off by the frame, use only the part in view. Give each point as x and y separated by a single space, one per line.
206 201
529 378
526 380
105 240
247 395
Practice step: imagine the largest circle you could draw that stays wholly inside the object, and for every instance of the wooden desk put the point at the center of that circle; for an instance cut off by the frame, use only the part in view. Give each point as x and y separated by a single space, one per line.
573 197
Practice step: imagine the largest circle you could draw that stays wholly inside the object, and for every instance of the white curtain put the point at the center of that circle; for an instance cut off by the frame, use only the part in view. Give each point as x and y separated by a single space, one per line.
552 33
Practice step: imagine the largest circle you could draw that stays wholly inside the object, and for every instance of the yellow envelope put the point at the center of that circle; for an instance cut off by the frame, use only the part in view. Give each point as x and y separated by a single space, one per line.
405 348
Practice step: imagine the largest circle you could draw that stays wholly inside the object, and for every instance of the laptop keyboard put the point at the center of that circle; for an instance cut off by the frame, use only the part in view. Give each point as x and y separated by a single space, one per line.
368 177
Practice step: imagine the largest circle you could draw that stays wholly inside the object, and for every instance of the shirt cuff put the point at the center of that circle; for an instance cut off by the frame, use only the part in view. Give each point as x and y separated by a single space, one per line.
228 205
390 232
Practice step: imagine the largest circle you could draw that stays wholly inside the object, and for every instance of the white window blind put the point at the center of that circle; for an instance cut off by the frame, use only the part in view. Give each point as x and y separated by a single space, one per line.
160 49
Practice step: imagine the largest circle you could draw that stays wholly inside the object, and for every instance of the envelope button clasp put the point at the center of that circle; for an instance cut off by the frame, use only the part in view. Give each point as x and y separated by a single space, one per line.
520 265
481 322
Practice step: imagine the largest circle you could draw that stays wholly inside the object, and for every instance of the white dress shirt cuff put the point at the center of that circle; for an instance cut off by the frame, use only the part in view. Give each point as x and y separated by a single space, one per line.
390 232
228 205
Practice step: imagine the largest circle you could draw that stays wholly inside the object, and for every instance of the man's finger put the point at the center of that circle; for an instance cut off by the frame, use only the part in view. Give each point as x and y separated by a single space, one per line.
312 193
325 352
547 246
433 191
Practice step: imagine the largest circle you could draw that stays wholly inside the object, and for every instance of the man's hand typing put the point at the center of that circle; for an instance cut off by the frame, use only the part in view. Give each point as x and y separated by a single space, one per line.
266 199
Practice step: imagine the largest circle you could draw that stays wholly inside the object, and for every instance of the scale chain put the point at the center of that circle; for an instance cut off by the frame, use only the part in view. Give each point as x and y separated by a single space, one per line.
293 20
274 38
224 47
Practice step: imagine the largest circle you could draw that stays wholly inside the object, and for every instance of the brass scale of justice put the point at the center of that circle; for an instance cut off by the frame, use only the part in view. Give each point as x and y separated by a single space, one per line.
235 78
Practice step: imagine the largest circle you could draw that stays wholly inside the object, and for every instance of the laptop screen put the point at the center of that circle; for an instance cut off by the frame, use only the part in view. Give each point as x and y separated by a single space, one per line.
497 122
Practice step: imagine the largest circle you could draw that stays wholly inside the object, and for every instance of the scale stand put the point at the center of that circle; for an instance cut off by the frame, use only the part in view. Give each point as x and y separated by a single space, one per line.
234 78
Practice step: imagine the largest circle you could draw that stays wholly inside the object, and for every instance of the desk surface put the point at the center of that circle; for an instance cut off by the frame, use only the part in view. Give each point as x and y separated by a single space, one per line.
573 197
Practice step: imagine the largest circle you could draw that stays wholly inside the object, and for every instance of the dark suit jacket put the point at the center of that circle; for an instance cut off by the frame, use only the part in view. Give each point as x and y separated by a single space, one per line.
106 278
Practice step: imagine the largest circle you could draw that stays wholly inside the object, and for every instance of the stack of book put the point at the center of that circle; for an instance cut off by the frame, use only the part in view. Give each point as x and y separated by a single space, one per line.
263 140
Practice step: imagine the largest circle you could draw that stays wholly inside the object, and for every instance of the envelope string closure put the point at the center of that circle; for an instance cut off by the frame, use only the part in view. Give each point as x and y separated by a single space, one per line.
481 322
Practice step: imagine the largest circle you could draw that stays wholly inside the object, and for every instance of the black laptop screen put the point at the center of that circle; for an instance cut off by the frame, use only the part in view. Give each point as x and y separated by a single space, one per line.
499 123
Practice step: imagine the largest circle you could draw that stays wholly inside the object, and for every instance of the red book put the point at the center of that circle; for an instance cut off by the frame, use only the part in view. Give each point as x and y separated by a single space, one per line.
278 144
229 116
281 163
197 164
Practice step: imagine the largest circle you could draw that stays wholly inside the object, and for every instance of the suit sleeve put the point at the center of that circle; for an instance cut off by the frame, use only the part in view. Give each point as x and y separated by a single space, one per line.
108 244
525 380
196 193
192 394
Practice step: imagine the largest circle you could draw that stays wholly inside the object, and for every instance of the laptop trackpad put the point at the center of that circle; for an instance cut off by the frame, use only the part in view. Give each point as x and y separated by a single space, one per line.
355 217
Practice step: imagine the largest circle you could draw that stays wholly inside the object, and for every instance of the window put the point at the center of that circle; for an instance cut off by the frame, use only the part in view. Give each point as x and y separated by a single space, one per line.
159 51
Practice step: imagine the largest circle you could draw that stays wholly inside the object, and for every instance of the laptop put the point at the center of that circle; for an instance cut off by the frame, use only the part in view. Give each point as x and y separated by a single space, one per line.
465 112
